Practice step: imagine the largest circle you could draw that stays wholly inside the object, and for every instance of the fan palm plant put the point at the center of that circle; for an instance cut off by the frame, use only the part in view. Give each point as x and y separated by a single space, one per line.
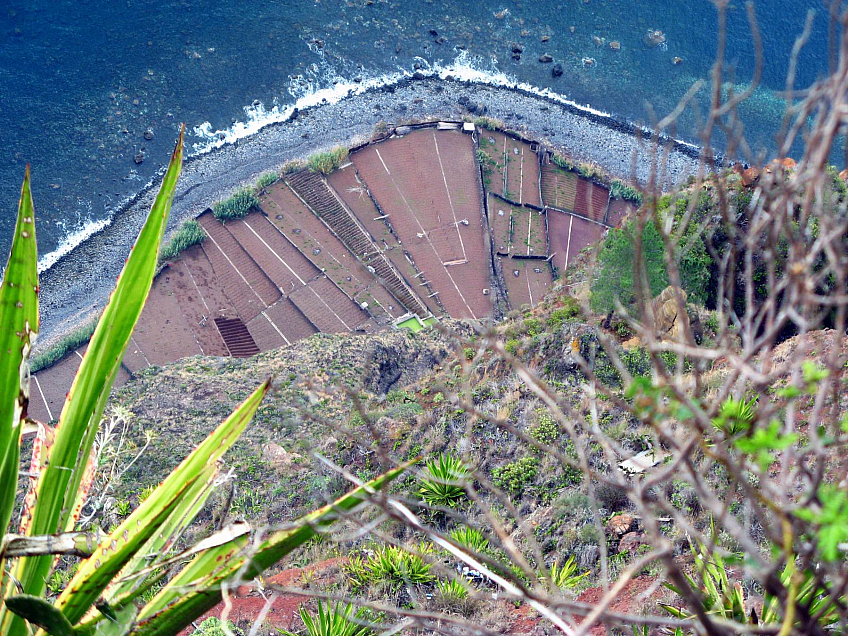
120 569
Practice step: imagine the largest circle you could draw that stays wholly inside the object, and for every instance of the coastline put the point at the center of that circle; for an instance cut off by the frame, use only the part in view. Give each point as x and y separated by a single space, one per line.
77 284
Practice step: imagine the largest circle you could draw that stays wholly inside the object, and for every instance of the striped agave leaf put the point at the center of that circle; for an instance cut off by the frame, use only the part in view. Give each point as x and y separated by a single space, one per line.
18 330
197 587
58 487
115 552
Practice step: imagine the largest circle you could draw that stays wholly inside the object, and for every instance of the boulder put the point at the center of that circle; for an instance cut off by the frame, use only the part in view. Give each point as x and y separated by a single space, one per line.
556 71
620 524
546 58
631 541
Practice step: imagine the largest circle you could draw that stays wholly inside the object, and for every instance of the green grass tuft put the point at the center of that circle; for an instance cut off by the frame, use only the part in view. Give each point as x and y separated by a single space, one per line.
62 348
189 234
326 162
267 179
237 206
620 190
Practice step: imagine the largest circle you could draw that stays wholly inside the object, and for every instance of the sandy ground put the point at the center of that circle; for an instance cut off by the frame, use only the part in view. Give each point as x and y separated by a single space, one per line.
80 282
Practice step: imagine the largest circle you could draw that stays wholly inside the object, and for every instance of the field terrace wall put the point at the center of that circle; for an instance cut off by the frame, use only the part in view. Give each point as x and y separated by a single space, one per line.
426 183
327 203
418 221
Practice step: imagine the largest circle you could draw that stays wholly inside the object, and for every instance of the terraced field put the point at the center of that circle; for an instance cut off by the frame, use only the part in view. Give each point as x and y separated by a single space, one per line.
431 221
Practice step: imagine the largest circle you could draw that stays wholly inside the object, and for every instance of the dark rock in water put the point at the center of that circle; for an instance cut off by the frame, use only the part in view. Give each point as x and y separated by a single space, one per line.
449 78
441 39
401 108
357 79
139 157
389 88
517 48
295 114
434 33
148 134
545 58
416 66
438 88
556 71
418 75
516 57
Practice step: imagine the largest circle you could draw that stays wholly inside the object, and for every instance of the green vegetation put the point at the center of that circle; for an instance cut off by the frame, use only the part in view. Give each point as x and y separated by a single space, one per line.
565 576
335 620
444 483
515 476
236 206
214 626
563 162
620 190
388 565
616 278
189 234
118 581
66 345
470 538
326 162
267 179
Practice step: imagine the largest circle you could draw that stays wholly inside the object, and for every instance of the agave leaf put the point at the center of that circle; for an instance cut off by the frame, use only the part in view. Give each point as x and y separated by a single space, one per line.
197 587
44 437
18 330
40 612
150 556
59 483
113 554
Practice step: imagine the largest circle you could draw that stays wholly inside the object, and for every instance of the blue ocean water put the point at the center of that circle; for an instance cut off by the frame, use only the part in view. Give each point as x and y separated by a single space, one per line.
82 81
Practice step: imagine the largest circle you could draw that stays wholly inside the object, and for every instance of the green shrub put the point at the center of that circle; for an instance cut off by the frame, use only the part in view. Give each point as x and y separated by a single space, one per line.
214 626
453 591
62 348
334 620
444 485
620 190
617 264
189 234
388 565
516 476
562 162
486 122
237 206
547 431
533 326
565 576
511 345
267 179
470 538
637 361
326 162
569 311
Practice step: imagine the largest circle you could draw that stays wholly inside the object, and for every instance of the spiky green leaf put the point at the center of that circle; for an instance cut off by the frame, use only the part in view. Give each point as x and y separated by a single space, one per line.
58 483
113 554
18 330
197 587
42 613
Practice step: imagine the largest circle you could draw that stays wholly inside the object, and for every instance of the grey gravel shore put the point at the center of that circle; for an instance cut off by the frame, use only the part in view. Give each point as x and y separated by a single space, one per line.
79 283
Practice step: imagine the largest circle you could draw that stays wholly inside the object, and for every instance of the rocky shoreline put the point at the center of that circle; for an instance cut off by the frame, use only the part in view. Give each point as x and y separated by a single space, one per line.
79 283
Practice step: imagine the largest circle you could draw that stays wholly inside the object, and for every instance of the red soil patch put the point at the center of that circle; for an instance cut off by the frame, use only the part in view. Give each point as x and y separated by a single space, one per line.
246 604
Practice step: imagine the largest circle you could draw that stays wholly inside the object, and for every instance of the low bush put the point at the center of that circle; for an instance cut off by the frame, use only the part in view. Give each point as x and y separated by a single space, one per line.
444 484
470 538
516 476
189 234
335 620
326 162
236 206
565 576
569 311
267 179
388 565
620 190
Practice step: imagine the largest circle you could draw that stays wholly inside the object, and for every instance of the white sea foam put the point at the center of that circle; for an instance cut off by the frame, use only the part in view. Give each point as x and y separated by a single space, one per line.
324 85
71 239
